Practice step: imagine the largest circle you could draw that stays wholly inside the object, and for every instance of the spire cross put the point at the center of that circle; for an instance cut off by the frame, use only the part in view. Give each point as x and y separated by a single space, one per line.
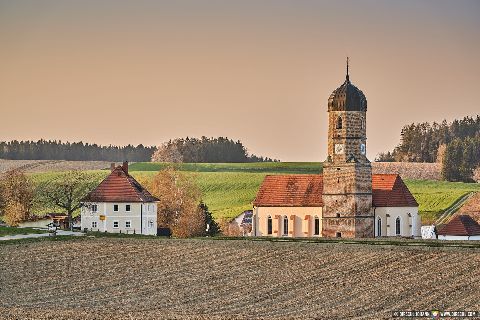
348 77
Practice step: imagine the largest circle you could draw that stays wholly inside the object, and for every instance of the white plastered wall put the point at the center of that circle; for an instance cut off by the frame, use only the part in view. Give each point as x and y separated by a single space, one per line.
410 224
300 221
142 218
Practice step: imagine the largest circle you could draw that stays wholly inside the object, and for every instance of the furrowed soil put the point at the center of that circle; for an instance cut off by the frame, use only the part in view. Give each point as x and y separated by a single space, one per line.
114 278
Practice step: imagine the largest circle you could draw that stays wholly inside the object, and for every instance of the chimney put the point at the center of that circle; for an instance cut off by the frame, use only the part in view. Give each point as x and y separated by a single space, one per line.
112 166
125 166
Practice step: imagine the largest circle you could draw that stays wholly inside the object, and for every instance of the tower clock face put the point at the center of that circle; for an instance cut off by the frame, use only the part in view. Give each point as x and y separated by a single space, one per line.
362 148
339 148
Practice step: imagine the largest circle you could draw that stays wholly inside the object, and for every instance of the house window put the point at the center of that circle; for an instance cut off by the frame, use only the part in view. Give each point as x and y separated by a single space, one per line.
379 227
115 224
94 224
115 207
316 230
128 208
285 226
397 226
269 225
94 208
128 224
339 123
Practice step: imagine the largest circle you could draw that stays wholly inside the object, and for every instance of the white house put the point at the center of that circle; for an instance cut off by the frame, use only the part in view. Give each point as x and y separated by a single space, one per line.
461 227
120 205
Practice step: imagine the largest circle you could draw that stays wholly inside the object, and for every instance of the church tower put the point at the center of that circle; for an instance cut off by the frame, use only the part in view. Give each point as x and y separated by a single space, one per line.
347 173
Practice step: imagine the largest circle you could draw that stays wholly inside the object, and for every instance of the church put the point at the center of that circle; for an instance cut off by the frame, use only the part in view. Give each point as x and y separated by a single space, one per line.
347 200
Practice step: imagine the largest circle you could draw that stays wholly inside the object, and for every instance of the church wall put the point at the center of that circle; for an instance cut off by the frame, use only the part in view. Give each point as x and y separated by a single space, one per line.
300 221
409 226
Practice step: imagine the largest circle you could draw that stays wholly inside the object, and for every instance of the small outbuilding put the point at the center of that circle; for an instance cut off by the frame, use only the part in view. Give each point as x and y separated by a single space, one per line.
461 227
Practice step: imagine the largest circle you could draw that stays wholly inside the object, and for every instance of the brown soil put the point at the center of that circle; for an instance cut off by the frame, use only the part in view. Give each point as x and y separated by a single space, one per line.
111 278
471 207
410 170
51 165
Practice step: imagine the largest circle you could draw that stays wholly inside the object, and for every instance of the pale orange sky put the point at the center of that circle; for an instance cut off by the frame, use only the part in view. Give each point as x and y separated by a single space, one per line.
142 71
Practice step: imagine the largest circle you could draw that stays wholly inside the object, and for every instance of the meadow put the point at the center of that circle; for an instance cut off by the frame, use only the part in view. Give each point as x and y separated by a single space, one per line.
229 189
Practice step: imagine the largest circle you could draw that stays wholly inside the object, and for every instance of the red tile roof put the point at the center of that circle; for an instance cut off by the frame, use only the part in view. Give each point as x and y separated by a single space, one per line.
300 190
389 190
295 190
119 186
461 225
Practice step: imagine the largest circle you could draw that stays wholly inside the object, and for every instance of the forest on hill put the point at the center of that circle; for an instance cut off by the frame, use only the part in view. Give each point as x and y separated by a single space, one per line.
205 149
455 145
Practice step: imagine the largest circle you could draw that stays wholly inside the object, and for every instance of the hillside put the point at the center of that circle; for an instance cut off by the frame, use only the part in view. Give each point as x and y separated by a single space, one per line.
111 278
471 207
229 189
51 165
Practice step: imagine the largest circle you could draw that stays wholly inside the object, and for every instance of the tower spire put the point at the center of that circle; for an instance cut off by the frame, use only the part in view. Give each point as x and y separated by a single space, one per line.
348 77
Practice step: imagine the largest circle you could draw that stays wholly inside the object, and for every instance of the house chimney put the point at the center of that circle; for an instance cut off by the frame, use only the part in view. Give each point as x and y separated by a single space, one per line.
112 166
125 166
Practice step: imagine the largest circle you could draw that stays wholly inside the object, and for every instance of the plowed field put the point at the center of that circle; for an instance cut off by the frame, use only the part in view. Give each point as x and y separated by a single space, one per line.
111 278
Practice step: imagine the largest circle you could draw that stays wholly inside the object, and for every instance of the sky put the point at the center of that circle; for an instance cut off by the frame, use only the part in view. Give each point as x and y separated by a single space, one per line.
144 71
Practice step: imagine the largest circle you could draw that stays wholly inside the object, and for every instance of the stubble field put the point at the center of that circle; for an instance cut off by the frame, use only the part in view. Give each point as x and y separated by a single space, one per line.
112 278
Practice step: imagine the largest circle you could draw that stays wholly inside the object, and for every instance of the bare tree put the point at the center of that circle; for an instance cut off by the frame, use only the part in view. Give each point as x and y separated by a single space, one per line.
16 196
66 191
179 207
167 152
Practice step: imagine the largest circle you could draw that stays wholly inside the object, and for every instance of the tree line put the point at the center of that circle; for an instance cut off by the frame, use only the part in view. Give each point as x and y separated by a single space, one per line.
455 145
58 150
204 149
212 150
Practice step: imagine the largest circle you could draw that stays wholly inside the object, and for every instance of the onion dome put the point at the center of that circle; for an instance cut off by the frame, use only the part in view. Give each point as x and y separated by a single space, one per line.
347 97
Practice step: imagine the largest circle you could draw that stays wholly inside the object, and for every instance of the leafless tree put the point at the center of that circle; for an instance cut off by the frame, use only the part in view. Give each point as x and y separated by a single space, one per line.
179 207
66 191
16 196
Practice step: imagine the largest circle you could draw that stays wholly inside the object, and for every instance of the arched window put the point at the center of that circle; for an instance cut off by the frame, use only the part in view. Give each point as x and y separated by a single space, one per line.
269 225
379 227
316 230
397 226
339 123
285 226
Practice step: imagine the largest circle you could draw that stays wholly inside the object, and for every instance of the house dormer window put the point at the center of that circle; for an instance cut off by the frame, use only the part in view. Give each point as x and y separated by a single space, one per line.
115 207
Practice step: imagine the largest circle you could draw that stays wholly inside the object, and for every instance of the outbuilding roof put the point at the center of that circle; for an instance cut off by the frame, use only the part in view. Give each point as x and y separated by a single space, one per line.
119 186
305 190
461 225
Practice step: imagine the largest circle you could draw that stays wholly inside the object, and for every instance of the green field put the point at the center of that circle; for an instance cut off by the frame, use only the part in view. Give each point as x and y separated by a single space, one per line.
434 197
229 189
254 167
10 231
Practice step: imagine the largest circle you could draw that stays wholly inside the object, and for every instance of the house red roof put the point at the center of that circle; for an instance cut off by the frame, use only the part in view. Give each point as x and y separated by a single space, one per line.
461 225
119 186
299 190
